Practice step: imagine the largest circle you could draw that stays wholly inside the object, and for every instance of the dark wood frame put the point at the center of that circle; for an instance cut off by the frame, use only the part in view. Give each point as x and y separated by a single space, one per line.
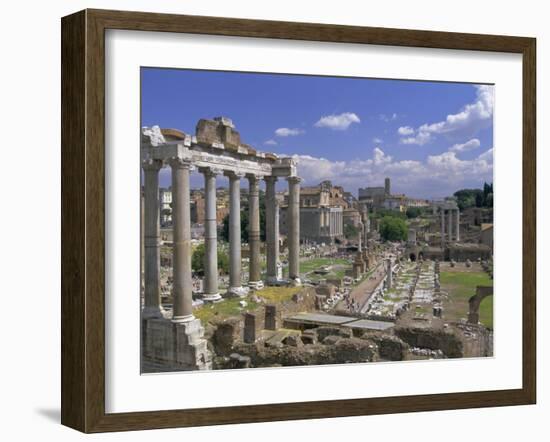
83 217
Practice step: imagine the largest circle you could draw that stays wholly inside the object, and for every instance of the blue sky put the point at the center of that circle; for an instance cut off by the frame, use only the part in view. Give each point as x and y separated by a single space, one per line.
431 138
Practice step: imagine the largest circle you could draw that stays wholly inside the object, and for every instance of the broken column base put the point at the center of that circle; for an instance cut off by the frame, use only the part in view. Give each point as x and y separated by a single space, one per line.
256 285
211 297
274 281
237 292
295 282
175 346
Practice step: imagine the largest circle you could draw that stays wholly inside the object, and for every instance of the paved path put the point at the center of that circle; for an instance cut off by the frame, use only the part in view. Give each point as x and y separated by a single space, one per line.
363 291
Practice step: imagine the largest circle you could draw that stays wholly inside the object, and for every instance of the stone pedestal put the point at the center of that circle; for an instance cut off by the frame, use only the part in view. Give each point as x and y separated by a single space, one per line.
358 266
250 328
270 317
176 346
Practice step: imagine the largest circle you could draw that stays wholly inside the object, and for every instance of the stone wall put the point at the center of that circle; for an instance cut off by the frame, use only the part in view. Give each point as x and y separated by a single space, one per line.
435 339
473 252
343 350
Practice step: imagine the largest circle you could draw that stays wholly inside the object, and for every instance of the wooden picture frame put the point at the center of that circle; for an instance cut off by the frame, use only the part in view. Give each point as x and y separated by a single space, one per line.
83 220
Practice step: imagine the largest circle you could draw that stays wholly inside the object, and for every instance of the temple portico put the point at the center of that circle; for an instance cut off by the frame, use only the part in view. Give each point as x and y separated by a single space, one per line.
215 151
450 223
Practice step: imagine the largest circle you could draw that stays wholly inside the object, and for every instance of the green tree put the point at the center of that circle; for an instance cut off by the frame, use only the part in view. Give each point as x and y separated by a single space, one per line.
381 213
350 231
393 229
466 198
475 197
197 260
224 234
413 212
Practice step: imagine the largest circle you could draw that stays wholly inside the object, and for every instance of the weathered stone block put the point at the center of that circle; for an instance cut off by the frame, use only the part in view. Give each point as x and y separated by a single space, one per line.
176 345
309 337
225 335
250 328
270 322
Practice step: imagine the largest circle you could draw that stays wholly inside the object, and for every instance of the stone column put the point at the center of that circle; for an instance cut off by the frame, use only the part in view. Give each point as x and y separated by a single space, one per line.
254 280
450 223
442 227
235 287
294 229
151 240
181 249
360 237
389 274
211 293
457 227
272 229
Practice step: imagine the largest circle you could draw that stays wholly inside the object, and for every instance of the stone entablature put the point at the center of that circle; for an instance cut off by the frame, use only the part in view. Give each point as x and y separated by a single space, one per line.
163 144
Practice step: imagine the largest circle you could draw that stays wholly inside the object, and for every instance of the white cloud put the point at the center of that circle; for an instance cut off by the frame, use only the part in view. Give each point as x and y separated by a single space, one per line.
405 130
421 138
338 122
377 140
437 176
487 156
388 118
465 147
472 118
270 143
287 132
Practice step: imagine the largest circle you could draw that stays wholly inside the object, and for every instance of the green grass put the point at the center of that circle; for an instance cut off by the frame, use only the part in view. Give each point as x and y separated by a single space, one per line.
486 312
461 286
230 307
313 264
226 308
278 294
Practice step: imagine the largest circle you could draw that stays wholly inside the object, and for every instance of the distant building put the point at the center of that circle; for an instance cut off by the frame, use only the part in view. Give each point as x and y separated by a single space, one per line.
321 213
486 235
395 202
352 217
165 205
197 206
382 198
374 197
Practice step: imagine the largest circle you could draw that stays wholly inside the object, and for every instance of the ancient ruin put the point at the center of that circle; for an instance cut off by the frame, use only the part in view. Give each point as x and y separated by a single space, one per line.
216 149
316 282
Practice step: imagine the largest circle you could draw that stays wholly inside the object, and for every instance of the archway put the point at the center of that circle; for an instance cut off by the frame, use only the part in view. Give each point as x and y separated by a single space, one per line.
412 257
481 293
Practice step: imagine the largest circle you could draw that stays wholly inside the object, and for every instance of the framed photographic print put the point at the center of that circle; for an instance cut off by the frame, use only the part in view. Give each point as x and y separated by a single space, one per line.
267 220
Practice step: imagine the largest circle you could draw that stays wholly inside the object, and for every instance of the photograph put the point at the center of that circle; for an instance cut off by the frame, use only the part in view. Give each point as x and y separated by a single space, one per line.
304 220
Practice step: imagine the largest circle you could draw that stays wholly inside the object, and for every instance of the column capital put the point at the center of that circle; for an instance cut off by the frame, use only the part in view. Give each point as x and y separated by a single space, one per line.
179 163
252 178
294 179
151 164
210 171
270 179
234 175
